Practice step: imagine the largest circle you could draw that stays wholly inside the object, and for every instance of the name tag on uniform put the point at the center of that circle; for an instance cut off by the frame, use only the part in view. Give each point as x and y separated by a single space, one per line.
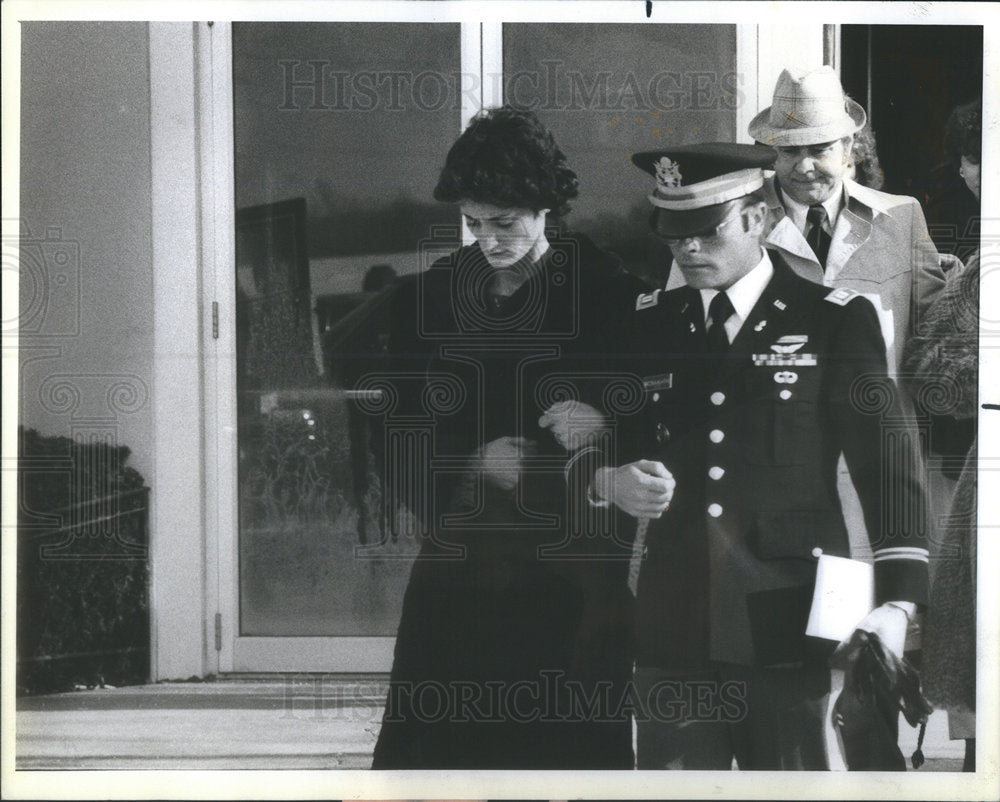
661 381
783 360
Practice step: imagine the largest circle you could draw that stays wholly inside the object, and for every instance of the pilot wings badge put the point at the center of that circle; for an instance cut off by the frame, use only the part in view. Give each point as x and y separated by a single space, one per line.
789 343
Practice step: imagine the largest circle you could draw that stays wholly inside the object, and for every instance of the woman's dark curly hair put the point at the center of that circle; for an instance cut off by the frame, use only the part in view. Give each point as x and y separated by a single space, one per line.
864 156
963 134
506 157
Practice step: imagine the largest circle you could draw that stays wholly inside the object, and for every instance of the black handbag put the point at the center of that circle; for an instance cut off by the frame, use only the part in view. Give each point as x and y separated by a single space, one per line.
877 686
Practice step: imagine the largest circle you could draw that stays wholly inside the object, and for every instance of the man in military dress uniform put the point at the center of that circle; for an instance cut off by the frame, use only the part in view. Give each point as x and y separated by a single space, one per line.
756 380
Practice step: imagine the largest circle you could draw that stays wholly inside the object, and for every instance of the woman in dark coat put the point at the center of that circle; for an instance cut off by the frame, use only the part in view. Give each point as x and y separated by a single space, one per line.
512 651
942 362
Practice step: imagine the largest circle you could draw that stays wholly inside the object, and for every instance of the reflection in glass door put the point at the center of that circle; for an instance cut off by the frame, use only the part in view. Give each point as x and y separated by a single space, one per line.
339 134
608 91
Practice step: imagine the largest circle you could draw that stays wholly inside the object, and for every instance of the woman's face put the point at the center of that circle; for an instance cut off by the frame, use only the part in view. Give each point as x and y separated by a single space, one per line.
969 171
506 235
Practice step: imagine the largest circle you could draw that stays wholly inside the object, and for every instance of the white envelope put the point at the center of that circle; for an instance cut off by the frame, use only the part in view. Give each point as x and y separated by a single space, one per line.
844 594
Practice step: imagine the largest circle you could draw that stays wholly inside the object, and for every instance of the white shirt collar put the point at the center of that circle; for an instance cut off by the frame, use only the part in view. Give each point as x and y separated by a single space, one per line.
798 211
744 294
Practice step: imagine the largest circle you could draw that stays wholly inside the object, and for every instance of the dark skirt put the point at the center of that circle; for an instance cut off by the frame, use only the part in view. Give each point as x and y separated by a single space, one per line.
504 663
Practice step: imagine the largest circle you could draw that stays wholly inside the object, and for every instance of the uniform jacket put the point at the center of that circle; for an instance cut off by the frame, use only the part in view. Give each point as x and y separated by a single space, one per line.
753 443
880 248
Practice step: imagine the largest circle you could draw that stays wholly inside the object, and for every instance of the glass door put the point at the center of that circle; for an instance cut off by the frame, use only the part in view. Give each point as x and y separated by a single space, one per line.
608 91
339 131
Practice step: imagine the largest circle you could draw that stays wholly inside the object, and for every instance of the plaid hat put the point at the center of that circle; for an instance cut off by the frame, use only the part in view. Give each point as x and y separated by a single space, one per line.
694 183
807 110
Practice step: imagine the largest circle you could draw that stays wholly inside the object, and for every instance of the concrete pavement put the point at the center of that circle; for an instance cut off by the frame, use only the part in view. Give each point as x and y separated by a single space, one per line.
295 722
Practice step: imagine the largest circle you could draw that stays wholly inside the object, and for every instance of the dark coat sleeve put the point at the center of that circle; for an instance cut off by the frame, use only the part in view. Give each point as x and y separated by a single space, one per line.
878 446
940 364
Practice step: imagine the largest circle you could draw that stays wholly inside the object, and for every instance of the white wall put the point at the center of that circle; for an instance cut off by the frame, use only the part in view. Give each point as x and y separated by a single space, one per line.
762 52
86 269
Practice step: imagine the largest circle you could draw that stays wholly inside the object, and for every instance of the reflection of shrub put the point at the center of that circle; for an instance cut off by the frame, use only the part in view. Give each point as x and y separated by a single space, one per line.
292 470
48 485
82 606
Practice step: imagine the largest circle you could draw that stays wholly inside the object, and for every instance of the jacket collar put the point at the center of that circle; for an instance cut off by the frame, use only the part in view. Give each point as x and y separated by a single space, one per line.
857 196
851 230
783 234
775 310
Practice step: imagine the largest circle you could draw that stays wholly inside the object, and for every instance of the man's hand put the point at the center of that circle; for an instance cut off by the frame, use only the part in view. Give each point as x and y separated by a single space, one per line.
643 489
501 460
573 423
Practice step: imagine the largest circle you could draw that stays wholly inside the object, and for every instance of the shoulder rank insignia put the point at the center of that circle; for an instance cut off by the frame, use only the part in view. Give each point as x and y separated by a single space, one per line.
840 296
647 300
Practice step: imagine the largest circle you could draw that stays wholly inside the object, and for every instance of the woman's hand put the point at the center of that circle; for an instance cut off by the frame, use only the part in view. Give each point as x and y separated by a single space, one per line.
643 489
501 460
573 423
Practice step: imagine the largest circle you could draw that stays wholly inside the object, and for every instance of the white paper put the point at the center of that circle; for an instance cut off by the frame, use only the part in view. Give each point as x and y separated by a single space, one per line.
844 594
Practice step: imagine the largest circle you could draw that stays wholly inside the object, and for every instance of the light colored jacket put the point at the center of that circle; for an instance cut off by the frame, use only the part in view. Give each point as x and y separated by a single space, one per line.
880 248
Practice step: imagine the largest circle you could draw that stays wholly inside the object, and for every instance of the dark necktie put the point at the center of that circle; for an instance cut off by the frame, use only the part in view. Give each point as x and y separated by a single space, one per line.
719 312
817 238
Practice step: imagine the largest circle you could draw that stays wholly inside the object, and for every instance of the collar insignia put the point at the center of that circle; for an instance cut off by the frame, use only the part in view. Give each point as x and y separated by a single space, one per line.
647 300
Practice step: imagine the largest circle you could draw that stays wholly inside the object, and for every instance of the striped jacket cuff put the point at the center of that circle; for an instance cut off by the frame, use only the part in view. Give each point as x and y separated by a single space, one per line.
901 574
902 553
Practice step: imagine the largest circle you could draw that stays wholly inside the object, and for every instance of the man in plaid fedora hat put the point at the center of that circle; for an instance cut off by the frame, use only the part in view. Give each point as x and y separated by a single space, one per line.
836 232
831 229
